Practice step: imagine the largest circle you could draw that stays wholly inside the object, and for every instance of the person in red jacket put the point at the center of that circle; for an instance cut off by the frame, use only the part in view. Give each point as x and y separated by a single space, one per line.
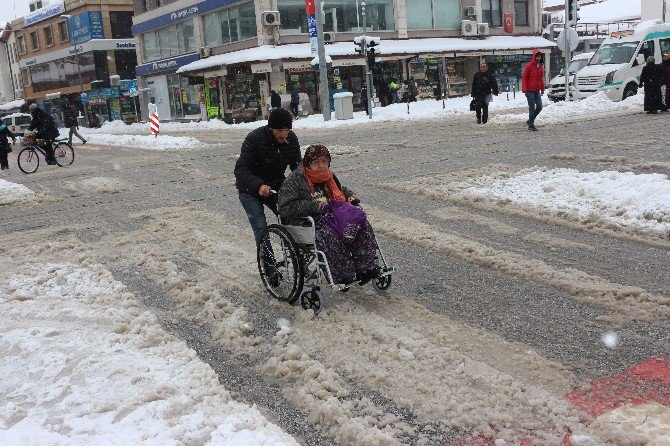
532 84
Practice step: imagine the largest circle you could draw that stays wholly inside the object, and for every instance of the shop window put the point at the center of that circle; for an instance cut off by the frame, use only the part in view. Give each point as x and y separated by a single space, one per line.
62 31
167 41
247 21
48 36
434 14
150 46
186 37
22 44
121 22
34 41
293 17
230 25
25 77
341 15
492 12
521 12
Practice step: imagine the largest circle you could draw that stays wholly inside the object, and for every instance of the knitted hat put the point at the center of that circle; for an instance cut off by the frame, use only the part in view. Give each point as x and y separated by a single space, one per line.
280 118
32 106
651 60
313 152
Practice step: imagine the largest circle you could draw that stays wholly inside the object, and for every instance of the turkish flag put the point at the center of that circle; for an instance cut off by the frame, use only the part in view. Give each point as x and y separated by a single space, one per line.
508 21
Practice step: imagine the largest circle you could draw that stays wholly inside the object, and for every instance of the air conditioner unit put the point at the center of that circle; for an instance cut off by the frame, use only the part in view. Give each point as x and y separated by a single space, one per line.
205 52
271 18
546 20
114 80
482 29
469 28
469 11
328 38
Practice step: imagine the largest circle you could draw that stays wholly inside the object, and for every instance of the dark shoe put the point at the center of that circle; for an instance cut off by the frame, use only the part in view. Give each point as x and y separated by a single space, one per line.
528 122
51 162
83 142
348 280
369 275
533 128
479 121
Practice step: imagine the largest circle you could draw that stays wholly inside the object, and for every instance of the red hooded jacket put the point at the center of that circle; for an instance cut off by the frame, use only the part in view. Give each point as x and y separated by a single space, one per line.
533 76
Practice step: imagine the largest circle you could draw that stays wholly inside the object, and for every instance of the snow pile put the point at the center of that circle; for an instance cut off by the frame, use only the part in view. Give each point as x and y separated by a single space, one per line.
13 192
146 142
619 200
606 12
594 107
84 364
97 185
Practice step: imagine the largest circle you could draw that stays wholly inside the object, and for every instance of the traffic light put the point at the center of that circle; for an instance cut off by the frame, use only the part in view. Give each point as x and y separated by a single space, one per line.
372 53
572 13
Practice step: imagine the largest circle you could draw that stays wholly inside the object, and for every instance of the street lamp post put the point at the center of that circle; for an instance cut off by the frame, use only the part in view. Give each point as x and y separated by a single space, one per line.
76 53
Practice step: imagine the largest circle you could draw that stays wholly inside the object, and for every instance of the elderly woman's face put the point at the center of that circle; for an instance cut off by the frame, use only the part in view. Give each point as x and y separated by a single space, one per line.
321 163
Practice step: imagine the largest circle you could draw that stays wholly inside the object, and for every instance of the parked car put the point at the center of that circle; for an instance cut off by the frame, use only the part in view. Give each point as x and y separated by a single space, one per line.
18 123
556 89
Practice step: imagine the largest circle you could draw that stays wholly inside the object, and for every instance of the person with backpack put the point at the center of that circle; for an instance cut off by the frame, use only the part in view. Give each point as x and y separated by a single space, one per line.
532 84
5 148
71 122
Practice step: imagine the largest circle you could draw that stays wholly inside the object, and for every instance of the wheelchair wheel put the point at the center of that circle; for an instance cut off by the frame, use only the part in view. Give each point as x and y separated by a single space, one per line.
381 283
280 264
312 300
28 160
63 154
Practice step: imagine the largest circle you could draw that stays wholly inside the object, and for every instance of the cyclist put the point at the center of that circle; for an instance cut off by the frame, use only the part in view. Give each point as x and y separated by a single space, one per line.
45 128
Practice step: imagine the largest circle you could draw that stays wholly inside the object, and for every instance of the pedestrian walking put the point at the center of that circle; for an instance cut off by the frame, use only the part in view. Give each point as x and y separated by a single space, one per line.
484 86
295 101
5 148
259 171
275 99
393 86
652 79
532 84
665 66
364 98
413 90
71 122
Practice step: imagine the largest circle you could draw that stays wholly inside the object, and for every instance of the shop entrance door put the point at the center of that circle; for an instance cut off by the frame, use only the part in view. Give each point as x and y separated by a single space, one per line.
175 104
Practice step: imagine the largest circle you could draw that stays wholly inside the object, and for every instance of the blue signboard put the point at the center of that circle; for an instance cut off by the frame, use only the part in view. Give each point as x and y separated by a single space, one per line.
310 9
84 27
165 65
44 13
181 14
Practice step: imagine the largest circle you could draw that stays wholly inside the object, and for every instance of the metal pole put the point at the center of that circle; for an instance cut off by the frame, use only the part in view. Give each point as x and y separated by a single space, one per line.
368 74
566 70
665 9
323 67
81 86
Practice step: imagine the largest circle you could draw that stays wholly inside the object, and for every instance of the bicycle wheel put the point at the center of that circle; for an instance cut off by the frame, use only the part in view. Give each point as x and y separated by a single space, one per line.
28 160
279 264
64 154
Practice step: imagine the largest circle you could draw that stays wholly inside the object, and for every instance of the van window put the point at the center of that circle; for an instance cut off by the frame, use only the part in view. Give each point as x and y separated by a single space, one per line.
647 49
665 46
7 121
614 53
23 120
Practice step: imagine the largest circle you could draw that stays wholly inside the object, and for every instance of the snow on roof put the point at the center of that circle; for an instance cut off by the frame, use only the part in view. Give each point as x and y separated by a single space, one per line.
584 56
301 51
608 11
16 115
11 105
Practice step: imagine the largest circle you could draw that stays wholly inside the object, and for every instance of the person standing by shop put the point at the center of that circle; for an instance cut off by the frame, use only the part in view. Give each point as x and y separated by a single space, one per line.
5 148
484 85
665 66
70 121
413 90
364 98
275 99
295 101
259 171
532 84
652 79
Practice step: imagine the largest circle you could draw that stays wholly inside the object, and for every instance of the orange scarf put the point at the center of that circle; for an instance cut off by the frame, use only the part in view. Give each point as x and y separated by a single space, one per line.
324 179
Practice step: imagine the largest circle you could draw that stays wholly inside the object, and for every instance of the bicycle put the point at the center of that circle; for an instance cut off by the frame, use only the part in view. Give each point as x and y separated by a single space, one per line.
29 160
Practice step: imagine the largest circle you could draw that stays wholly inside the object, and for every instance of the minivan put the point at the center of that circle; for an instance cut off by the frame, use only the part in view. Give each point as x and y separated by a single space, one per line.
18 123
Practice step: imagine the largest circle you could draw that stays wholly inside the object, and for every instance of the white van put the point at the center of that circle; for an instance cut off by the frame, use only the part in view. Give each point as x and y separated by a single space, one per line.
18 123
616 67
556 89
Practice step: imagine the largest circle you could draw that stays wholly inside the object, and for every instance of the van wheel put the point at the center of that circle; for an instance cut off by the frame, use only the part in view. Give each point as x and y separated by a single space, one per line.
631 90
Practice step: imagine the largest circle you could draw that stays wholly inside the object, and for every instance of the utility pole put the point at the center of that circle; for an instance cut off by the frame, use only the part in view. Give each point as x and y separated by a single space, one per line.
368 74
323 66
566 69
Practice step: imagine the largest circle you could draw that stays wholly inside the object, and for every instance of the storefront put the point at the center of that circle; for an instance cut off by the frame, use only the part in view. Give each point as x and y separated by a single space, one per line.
243 99
305 80
455 79
426 73
508 69
212 97
351 78
186 96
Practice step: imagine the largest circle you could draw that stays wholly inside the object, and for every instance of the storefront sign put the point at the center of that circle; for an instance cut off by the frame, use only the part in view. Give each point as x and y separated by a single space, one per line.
44 13
475 53
510 58
160 66
263 67
311 25
84 27
93 45
348 62
180 14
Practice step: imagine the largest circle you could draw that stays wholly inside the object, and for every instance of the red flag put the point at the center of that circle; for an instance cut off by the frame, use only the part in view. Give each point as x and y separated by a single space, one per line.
508 20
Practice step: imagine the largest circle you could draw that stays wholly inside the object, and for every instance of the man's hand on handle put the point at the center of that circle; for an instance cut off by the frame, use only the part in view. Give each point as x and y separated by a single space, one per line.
264 190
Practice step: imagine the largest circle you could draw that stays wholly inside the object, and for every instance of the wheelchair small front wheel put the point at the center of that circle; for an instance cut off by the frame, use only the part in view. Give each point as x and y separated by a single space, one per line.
381 283
312 300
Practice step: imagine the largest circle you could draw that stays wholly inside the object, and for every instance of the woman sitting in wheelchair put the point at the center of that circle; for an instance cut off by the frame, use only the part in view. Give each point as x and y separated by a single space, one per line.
342 230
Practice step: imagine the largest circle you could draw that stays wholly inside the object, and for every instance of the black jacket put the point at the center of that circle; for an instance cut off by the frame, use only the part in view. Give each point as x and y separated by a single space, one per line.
70 117
483 85
5 134
263 161
44 125
275 100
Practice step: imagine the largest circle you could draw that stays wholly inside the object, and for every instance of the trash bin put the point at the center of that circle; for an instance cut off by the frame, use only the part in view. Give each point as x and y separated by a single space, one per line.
344 105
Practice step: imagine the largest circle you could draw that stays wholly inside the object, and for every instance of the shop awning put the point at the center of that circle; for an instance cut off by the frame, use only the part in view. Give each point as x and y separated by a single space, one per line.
410 47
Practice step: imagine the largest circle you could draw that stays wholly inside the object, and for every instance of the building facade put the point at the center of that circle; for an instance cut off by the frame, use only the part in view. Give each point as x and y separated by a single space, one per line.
221 58
67 51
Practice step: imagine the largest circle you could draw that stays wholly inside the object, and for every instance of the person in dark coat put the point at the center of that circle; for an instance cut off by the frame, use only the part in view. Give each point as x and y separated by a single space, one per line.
665 66
71 122
5 148
45 129
259 171
295 101
275 100
364 98
652 80
413 90
384 93
484 85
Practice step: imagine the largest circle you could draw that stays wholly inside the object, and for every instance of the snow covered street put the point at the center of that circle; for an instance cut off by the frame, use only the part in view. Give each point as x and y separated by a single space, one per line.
530 306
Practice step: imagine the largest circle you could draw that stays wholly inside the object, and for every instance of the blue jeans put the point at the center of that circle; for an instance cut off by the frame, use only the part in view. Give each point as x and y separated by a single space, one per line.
534 106
253 206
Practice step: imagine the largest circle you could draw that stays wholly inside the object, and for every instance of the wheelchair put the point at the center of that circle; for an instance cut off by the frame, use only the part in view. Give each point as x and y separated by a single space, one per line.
292 268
